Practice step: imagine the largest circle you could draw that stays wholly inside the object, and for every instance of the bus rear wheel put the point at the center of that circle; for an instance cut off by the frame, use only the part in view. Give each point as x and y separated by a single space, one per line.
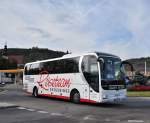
35 92
75 97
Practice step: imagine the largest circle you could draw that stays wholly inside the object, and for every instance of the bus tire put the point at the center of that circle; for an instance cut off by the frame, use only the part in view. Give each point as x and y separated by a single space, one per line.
35 92
75 97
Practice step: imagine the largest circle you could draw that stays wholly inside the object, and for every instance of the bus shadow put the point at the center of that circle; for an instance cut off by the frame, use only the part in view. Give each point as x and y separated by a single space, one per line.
52 99
122 105
104 105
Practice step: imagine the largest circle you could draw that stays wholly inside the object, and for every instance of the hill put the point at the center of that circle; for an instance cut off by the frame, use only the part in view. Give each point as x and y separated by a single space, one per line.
35 53
20 56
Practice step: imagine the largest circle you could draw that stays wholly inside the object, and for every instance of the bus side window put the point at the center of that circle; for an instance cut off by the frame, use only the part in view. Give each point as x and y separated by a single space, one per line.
46 67
26 72
61 67
34 69
71 65
91 72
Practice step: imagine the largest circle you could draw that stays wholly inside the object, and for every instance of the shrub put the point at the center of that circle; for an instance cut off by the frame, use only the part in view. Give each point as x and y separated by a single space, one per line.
139 88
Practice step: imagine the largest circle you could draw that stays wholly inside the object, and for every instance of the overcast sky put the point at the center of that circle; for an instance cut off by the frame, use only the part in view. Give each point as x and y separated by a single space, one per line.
120 27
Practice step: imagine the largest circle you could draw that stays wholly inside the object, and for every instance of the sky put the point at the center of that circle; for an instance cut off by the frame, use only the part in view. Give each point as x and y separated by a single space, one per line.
120 27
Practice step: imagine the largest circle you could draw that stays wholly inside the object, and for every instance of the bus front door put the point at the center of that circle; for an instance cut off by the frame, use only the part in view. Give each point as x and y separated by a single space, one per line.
94 87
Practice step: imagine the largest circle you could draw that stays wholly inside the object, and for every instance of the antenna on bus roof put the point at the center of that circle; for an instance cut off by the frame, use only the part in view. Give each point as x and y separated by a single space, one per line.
68 52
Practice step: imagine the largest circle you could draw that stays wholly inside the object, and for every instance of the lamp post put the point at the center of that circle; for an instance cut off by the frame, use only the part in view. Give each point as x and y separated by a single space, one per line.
145 69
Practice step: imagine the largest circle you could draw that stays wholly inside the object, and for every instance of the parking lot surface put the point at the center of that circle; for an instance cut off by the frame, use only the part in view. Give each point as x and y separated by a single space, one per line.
36 110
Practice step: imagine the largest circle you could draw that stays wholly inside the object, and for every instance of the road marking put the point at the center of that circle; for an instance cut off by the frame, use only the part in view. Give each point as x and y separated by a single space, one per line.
111 120
68 116
88 117
30 109
56 114
108 120
21 108
43 112
135 121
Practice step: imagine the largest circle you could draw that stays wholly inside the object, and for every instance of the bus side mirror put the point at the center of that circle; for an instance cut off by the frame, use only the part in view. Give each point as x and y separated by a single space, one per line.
102 62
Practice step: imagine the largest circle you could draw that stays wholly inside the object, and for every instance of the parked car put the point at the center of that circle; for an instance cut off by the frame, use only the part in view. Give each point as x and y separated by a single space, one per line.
2 84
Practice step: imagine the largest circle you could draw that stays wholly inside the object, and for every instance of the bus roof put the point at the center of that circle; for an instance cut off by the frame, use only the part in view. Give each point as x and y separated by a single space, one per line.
99 54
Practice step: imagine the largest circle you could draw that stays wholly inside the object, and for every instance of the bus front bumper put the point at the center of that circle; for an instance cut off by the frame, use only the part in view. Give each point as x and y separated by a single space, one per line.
117 99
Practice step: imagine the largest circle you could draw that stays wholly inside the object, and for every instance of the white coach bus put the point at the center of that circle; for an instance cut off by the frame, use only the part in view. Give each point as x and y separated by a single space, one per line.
92 77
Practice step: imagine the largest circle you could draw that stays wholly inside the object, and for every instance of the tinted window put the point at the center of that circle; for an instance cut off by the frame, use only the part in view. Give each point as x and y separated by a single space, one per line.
48 67
91 72
70 65
53 67
32 69
26 70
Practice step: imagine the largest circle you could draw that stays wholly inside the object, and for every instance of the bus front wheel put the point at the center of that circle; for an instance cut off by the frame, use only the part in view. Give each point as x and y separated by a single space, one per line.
35 92
75 97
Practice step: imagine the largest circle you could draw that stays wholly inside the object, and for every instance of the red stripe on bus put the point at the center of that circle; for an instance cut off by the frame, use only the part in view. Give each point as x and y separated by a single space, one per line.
87 100
63 97
67 98
55 96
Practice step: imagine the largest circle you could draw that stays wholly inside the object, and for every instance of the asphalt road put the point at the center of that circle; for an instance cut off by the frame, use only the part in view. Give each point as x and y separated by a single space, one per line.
46 110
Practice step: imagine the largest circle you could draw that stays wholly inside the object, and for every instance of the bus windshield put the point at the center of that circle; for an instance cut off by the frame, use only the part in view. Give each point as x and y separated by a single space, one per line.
111 69
111 76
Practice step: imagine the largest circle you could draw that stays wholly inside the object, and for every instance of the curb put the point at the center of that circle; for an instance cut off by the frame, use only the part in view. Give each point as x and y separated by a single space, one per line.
7 105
